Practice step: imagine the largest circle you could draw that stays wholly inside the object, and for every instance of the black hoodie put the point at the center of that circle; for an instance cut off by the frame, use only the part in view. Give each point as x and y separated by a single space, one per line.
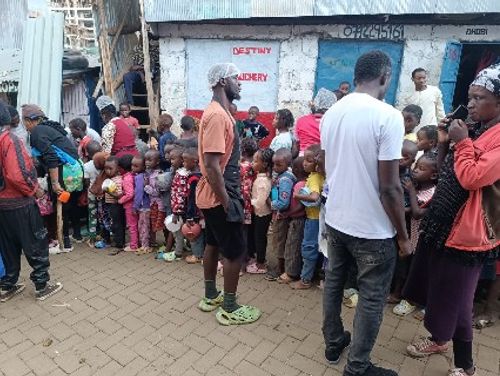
49 133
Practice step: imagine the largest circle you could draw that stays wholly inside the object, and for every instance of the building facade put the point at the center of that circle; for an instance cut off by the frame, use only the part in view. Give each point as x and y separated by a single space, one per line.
285 60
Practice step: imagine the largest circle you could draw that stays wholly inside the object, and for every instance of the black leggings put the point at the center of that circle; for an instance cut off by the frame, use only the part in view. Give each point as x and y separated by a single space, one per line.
261 226
117 214
462 353
71 215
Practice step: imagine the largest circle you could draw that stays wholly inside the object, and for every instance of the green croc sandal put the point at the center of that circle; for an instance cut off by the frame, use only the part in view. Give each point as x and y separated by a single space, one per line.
209 305
243 315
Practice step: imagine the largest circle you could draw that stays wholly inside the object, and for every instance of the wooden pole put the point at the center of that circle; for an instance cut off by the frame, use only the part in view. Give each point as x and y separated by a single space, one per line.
152 97
105 50
60 238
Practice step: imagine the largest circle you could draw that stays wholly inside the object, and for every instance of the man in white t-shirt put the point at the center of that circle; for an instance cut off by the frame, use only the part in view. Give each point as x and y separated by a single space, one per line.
428 97
362 137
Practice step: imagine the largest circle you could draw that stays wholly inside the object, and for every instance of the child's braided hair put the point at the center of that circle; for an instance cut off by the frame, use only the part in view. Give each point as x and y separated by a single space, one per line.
267 157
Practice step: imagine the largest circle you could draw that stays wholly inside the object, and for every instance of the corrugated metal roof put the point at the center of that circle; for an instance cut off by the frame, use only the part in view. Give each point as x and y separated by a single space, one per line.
198 10
179 10
14 15
41 73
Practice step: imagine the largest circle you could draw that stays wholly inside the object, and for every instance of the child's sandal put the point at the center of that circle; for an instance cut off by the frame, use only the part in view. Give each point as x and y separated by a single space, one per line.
285 279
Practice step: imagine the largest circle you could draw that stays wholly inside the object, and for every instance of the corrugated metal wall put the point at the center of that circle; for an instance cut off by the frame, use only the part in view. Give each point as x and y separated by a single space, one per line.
197 10
12 19
115 10
41 73
75 102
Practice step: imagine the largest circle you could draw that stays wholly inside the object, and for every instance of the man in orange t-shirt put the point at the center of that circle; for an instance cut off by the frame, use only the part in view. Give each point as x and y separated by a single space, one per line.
218 196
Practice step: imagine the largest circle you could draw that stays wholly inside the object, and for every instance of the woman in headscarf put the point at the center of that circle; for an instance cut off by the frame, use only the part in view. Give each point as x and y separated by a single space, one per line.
307 127
48 141
461 227
118 137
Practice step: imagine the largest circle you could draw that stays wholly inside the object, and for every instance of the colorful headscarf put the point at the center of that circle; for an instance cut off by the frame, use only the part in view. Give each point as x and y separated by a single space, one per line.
489 78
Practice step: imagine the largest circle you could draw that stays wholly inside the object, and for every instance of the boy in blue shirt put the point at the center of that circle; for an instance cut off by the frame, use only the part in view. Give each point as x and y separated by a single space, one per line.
281 196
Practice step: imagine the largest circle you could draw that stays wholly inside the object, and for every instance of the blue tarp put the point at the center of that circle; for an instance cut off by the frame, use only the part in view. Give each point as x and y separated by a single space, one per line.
2 269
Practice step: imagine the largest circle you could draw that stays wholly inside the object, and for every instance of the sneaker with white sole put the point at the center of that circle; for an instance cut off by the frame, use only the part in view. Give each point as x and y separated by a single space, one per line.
67 245
333 354
7 294
403 308
77 239
460 372
49 290
425 347
57 250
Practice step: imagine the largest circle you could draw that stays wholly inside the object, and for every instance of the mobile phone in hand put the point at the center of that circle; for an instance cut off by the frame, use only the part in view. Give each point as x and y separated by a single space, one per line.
460 113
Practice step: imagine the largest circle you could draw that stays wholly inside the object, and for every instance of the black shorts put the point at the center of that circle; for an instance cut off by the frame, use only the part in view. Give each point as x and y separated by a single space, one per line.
228 236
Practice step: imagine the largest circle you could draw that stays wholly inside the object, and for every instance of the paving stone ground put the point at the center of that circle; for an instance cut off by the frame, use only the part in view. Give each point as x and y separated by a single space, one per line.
133 315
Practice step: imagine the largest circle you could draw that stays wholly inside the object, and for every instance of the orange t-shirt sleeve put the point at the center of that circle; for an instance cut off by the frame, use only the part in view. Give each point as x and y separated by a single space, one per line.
214 134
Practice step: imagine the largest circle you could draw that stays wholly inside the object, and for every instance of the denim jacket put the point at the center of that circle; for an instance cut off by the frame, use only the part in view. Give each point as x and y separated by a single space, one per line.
281 193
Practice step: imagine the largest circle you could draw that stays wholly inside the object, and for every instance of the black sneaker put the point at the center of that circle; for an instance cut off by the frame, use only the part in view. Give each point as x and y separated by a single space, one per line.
77 238
7 294
379 371
49 290
271 276
67 246
333 355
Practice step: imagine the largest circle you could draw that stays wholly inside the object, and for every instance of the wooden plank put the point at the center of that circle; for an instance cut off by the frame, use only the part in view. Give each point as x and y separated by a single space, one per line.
59 219
152 97
105 50
98 86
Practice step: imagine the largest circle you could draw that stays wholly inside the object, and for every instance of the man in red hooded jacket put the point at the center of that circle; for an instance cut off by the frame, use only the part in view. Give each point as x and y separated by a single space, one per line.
21 225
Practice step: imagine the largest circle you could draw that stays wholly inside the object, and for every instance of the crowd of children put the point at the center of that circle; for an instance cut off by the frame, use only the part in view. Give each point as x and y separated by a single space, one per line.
283 195
132 198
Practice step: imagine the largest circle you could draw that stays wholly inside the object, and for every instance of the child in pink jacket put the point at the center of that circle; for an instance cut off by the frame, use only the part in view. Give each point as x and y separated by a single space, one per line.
127 200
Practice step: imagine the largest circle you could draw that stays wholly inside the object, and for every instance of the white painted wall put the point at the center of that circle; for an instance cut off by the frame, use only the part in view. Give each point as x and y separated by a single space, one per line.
424 47
173 78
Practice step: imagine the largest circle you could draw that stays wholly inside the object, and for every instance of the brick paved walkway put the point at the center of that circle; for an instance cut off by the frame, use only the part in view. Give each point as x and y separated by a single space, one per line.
133 315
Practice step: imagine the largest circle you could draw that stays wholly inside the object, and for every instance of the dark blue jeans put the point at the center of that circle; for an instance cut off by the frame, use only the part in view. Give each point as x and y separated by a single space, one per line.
375 260
129 81
310 251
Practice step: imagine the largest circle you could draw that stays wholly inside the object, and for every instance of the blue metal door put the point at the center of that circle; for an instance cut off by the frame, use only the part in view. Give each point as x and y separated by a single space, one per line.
449 72
337 59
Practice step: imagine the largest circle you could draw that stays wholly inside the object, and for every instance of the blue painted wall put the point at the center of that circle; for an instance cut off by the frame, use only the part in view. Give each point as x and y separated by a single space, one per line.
449 72
337 59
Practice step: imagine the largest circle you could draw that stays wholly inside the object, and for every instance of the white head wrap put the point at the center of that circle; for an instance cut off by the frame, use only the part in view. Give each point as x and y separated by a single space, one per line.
103 101
489 78
324 99
219 71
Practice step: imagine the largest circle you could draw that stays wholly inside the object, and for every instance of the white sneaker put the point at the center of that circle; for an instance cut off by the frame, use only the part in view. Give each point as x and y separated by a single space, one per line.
460 372
57 250
403 308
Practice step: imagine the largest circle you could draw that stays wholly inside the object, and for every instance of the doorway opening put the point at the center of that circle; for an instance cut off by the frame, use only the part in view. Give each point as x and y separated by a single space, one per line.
475 56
